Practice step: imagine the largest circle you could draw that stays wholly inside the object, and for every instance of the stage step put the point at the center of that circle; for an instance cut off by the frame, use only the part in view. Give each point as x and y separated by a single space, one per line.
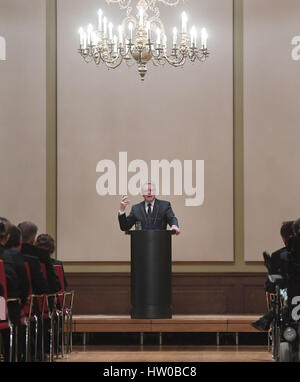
179 323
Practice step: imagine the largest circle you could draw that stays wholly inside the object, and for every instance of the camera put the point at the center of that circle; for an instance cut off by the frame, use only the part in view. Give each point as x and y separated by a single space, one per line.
277 264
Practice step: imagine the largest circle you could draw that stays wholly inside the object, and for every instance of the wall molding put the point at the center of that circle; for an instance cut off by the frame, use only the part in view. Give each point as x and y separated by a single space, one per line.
238 131
193 293
51 118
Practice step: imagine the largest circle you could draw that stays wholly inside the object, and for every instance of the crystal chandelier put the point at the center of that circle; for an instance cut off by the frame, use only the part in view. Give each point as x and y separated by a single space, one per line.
141 39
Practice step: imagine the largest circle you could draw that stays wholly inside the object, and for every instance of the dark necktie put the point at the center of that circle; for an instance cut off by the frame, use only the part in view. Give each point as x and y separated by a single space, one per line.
149 209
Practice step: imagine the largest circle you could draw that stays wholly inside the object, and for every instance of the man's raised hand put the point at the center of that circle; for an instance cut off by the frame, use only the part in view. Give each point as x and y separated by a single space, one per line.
124 203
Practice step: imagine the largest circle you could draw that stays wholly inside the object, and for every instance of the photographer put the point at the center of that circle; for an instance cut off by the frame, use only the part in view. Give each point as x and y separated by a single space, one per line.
293 282
278 264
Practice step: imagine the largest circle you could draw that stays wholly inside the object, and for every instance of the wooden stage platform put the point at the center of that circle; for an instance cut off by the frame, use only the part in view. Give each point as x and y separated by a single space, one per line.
178 323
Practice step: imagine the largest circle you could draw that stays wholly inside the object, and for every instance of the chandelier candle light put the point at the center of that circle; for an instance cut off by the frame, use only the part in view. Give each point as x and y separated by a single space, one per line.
141 39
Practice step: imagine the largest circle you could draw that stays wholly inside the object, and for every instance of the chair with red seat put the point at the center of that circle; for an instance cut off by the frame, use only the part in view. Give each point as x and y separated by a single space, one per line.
48 312
68 305
27 315
33 312
4 324
65 299
60 311
7 324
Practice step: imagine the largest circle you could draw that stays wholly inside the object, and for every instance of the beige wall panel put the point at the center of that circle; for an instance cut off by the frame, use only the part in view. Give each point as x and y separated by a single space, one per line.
175 114
271 122
23 112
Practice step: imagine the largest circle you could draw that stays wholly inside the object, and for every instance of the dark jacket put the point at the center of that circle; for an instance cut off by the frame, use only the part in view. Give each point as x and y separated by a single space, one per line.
162 215
38 282
279 265
20 269
294 267
14 288
12 281
43 256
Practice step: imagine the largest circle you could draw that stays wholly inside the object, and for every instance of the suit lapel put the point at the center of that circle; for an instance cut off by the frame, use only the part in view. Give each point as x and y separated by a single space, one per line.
142 210
155 210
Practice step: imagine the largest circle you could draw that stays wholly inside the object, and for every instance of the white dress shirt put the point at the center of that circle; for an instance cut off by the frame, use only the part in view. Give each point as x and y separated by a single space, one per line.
152 206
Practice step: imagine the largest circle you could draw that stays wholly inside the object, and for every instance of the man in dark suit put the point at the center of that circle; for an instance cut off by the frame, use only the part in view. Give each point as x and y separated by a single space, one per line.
13 246
151 213
29 231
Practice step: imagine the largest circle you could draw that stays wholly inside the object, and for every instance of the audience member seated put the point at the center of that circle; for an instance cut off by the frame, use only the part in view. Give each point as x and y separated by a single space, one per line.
17 246
13 246
14 289
38 282
279 265
29 232
47 242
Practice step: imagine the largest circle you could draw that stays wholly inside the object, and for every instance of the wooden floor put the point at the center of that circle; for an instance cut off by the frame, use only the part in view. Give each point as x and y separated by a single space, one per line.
168 354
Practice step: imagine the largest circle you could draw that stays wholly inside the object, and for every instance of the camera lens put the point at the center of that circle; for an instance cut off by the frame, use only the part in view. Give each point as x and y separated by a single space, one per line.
289 334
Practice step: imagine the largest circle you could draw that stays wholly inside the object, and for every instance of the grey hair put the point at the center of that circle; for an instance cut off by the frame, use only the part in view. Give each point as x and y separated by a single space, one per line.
146 184
29 231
